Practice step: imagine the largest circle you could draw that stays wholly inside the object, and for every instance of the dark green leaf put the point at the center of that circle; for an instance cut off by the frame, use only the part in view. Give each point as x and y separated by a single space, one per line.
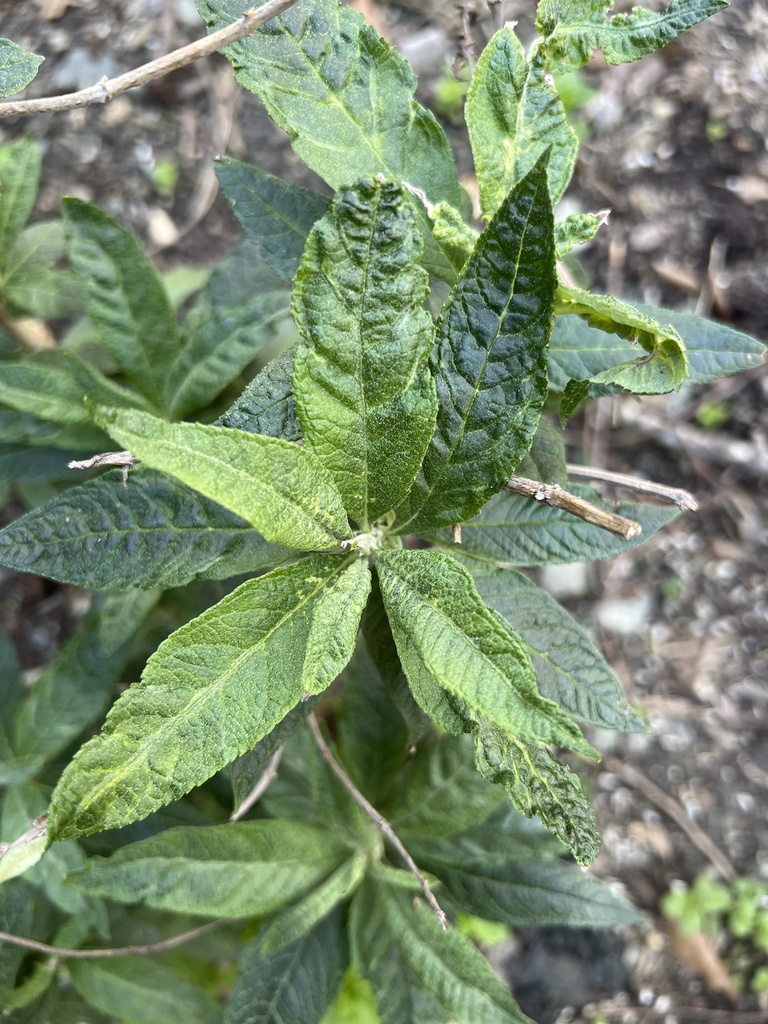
515 531
17 67
212 690
445 633
19 177
490 362
295 985
546 459
569 668
12 693
346 99
242 869
267 406
274 213
24 428
505 835
153 533
17 904
281 489
419 973
124 297
143 991
366 405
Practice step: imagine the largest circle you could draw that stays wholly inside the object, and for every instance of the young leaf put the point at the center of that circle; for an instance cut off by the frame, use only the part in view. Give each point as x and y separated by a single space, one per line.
144 991
444 631
324 74
367 408
267 406
17 67
74 689
212 690
537 783
490 362
295 985
419 972
154 533
279 488
515 531
274 213
241 869
237 315
569 668
19 175
30 285
576 229
514 114
124 297
574 28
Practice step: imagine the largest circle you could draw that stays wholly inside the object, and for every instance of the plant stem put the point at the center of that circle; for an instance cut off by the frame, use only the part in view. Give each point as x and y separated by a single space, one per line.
556 497
92 954
268 777
379 820
683 499
107 88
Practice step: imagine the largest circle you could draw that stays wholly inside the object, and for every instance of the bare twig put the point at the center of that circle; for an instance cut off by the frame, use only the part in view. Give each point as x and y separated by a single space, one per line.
93 954
268 777
379 820
466 54
683 499
36 829
495 7
556 497
673 810
108 88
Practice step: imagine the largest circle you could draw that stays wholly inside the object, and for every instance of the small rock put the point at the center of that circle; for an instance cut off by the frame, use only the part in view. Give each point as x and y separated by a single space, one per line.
563 581
625 616
162 231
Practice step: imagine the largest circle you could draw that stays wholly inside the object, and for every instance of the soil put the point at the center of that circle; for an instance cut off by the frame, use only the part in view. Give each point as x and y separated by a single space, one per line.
677 147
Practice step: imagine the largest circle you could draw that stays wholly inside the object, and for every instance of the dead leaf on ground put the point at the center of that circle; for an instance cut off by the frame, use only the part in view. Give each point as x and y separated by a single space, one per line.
697 952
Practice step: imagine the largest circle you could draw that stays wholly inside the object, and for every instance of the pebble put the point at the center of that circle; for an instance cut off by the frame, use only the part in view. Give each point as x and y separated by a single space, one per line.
624 616
564 581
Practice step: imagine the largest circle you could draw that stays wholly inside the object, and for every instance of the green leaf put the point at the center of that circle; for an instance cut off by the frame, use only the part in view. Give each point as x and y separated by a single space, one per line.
124 297
19 177
444 631
12 693
153 533
514 114
19 466
505 835
525 893
143 991
17 67
17 905
73 690
367 407
576 229
274 213
279 488
267 406
572 29
237 315
537 783
295 985
354 1004
569 668
241 869
30 284
490 362
24 428
418 972
546 459
295 921
444 794
345 97
212 690
515 531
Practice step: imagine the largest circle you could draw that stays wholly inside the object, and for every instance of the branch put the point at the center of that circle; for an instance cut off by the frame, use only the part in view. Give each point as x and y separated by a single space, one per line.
683 499
268 777
92 954
556 497
108 88
379 820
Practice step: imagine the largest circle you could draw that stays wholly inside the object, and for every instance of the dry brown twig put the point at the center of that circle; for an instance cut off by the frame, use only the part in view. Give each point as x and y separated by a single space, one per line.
108 88
683 499
554 496
94 954
378 819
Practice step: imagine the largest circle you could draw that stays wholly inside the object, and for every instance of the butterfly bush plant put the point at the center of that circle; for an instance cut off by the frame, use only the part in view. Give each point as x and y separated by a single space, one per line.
363 631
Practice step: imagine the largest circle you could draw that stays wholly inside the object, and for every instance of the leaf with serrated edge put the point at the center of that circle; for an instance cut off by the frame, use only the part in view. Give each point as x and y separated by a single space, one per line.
17 67
514 113
366 405
441 626
212 690
490 362
274 213
241 869
574 28
295 985
515 531
281 489
155 533
419 972
537 783
345 97
266 406
19 173
569 668
124 297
